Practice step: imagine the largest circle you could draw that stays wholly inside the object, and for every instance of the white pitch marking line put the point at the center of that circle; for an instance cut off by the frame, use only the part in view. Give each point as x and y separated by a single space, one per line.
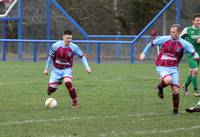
77 118
155 131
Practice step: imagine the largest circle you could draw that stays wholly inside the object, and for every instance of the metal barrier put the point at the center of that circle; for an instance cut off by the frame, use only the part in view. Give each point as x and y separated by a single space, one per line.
98 44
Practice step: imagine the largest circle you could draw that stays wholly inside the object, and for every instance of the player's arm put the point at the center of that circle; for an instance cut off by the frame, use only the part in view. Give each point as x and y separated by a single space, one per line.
50 59
188 48
84 61
48 63
78 51
158 41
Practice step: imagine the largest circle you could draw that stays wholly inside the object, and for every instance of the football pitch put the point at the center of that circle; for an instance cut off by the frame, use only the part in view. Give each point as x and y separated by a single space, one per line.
116 100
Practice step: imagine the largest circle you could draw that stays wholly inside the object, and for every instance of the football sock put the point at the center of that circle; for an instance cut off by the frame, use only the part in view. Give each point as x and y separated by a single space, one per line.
72 91
188 81
51 90
162 84
175 102
194 82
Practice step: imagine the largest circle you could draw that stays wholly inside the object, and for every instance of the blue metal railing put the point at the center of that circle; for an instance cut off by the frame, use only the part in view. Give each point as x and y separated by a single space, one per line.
98 44
86 36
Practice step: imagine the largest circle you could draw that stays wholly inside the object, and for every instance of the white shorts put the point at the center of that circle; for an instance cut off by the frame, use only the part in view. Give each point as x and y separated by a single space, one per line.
172 71
57 75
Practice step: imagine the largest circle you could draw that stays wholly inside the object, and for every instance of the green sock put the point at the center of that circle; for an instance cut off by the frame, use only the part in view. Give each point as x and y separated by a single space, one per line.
188 81
194 82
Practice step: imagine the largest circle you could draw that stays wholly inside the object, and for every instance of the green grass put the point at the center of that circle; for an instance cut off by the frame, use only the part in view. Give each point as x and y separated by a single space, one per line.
116 100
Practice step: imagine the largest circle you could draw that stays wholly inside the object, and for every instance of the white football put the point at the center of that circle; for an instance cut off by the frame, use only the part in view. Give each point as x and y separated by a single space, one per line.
50 103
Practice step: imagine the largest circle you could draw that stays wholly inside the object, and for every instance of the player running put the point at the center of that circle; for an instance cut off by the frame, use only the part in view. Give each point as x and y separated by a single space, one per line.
61 54
192 35
172 49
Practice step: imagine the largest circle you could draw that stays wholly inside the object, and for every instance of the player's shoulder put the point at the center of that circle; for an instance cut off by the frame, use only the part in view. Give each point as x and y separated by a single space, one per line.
73 45
58 43
165 37
183 41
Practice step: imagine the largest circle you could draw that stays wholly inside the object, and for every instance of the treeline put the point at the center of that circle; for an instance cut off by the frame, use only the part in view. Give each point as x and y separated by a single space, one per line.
113 16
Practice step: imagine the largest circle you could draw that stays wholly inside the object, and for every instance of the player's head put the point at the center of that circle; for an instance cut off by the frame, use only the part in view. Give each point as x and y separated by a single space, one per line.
175 31
196 20
67 36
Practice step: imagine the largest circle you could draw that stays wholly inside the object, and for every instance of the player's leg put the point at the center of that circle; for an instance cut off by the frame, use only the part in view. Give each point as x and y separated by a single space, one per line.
175 90
192 78
188 80
51 88
71 89
194 73
165 80
186 84
175 98
54 81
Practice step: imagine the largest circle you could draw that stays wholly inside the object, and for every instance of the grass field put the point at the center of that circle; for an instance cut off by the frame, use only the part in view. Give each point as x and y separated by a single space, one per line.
116 100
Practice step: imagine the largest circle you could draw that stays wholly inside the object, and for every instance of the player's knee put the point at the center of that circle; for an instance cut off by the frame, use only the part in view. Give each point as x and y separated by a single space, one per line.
194 72
168 80
69 85
175 90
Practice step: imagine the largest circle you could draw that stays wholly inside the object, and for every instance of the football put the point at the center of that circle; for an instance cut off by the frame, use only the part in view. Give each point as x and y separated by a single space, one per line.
50 103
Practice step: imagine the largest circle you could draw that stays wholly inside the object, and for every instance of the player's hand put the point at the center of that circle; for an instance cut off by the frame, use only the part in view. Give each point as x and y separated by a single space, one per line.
196 56
142 56
88 69
46 72
198 40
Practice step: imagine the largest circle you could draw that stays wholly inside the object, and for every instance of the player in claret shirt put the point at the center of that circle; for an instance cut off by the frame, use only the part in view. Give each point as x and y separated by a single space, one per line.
172 49
61 54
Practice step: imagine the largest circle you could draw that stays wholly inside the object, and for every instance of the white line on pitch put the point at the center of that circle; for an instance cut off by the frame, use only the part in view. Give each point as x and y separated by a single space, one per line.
77 118
154 131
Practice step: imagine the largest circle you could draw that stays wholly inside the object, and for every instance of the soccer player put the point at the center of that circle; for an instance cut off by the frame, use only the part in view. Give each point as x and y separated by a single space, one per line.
61 54
192 35
172 49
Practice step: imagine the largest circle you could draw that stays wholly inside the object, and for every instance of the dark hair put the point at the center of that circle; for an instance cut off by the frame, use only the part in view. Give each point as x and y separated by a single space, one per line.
67 32
178 26
196 16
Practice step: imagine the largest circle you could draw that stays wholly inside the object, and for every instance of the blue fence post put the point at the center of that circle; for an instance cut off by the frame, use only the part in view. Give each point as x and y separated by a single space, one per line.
117 49
98 53
131 54
178 11
88 50
35 52
4 42
48 26
20 29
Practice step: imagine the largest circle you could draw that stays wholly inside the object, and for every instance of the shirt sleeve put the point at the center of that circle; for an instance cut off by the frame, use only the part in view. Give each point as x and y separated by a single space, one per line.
77 50
79 53
188 47
48 62
84 61
52 50
158 41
